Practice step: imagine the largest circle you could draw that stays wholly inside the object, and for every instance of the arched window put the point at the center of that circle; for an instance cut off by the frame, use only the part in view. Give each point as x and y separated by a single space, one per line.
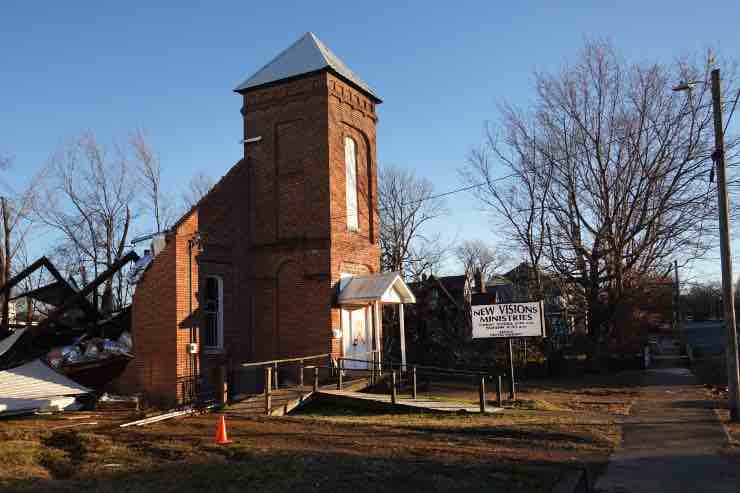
213 313
350 165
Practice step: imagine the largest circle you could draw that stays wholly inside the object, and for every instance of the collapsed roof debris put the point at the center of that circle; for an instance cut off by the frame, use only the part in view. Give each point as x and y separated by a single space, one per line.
140 267
76 339
94 361
10 341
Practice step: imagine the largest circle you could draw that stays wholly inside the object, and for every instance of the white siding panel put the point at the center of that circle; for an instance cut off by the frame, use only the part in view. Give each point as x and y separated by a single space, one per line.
34 385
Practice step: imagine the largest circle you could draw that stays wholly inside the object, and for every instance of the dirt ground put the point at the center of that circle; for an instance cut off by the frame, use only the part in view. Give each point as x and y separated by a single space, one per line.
525 448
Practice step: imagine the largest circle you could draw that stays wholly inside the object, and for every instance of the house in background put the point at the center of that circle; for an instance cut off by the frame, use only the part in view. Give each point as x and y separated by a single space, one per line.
258 269
519 285
442 304
12 313
459 287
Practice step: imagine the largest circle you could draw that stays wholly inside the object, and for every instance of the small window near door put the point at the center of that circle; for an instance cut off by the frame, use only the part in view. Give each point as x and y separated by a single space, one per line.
213 313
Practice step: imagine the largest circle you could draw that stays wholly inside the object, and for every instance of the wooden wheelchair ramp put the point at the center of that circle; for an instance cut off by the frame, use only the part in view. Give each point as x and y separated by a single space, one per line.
386 401
285 400
349 382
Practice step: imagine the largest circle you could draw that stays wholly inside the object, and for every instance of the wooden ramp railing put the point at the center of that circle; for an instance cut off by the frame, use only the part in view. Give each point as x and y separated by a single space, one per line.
356 373
399 375
278 398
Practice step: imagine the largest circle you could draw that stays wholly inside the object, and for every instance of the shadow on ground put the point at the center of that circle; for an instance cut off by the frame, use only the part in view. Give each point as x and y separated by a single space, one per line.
695 404
238 469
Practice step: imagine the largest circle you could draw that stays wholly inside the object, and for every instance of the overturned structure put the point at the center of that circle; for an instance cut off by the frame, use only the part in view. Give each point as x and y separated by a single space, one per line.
75 338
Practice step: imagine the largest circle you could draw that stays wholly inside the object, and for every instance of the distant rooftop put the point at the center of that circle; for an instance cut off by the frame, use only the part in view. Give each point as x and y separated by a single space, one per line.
306 55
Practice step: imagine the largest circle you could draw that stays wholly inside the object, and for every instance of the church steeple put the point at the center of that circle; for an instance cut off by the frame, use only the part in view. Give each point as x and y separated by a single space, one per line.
305 56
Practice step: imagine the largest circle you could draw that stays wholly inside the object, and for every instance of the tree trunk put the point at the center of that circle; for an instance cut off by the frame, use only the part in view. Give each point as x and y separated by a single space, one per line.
6 265
29 311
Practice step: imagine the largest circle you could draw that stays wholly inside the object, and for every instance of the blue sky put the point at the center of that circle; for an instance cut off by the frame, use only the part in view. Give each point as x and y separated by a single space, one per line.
440 67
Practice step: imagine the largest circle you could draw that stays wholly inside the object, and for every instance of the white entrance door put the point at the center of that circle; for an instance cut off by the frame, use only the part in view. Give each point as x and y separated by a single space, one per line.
356 336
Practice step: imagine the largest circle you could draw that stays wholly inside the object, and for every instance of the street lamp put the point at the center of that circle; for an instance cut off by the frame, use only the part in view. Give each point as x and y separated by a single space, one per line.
687 85
728 288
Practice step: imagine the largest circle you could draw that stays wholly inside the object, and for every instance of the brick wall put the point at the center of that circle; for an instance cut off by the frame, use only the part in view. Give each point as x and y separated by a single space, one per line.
158 311
290 232
274 230
187 318
352 114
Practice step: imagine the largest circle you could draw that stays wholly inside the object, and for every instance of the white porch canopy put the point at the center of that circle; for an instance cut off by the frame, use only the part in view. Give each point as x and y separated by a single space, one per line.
375 290
387 287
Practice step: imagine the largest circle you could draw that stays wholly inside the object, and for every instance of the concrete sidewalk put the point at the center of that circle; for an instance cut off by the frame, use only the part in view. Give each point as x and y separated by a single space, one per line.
671 441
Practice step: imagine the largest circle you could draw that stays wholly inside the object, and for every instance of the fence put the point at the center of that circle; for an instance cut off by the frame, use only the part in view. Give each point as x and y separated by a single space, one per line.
195 391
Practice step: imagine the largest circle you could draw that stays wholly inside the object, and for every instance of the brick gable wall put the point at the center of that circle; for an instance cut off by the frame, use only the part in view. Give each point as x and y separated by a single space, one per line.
159 323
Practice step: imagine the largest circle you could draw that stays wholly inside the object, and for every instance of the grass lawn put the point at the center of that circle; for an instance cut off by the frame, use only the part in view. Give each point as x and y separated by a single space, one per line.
322 448
711 372
732 429
718 396
610 394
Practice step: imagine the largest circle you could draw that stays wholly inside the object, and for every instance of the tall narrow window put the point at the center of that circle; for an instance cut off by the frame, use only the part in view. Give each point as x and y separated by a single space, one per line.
213 313
350 164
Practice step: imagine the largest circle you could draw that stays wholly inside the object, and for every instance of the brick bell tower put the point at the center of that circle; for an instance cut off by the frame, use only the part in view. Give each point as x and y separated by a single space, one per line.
309 147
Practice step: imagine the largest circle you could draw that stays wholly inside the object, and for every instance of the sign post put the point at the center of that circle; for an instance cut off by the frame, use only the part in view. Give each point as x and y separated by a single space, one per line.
509 320
512 382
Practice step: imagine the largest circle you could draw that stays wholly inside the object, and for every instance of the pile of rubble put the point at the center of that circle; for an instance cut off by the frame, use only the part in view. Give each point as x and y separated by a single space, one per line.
73 352
93 349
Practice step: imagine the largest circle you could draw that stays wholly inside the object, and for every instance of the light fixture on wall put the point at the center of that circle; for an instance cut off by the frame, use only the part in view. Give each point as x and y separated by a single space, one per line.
251 140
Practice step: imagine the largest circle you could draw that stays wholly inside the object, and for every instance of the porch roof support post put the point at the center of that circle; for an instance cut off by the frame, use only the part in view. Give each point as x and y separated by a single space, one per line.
403 336
378 327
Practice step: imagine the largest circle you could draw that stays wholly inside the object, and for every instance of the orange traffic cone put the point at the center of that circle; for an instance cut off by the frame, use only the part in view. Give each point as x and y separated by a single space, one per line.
221 438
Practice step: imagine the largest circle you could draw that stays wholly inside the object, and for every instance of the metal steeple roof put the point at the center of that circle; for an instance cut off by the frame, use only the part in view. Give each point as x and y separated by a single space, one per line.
306 55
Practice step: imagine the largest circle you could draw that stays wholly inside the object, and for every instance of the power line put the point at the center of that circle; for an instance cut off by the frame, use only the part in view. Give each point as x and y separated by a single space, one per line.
732 112
451 192
435 196
559 161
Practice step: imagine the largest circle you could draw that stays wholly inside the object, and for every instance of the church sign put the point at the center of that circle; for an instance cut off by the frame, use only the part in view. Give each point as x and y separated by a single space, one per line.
508 320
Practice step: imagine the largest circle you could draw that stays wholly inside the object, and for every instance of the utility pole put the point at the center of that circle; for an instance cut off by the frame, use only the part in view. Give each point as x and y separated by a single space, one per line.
728 288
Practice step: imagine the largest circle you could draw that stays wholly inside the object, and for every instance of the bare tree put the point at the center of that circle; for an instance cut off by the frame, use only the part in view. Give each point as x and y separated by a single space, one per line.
702 300
31 307
614 169
475 255
426 257
88 201
200 184
16 222
518 199
150 179
407 206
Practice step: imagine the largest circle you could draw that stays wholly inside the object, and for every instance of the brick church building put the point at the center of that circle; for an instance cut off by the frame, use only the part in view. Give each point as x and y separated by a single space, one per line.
281 258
